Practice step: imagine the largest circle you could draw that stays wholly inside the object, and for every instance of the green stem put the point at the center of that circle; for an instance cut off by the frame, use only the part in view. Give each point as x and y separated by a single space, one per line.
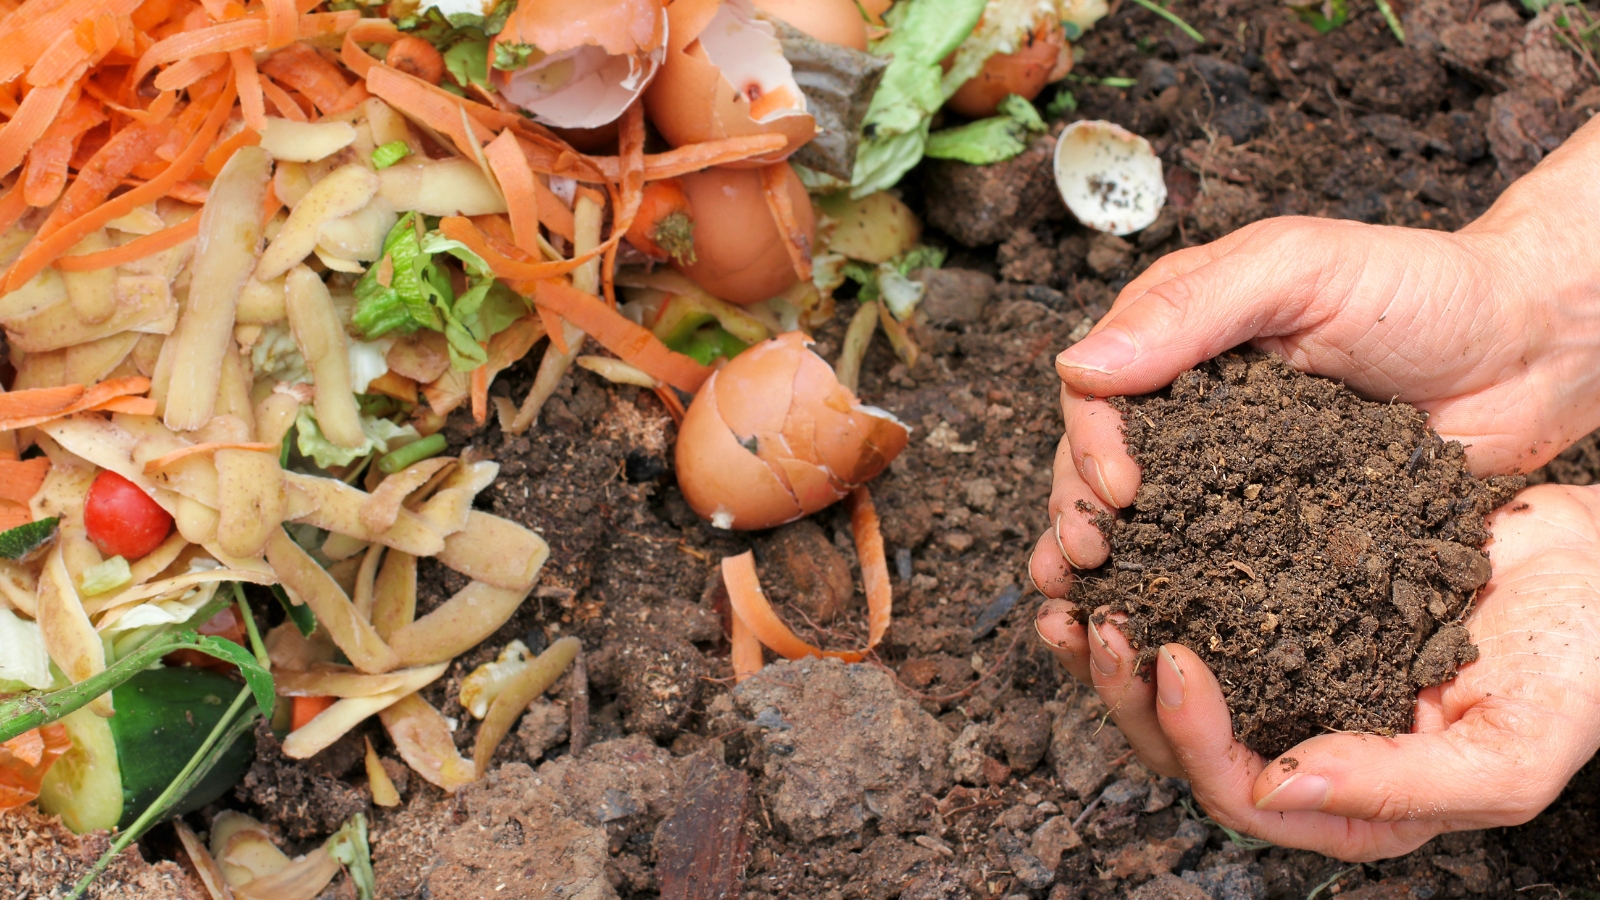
197 767
412 453
1390 17
1172 17
256 645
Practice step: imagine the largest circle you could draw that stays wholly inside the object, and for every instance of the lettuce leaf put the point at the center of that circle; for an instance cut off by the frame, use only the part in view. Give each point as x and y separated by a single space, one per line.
380 434
991 140
922 33
890 281
410 288
23 658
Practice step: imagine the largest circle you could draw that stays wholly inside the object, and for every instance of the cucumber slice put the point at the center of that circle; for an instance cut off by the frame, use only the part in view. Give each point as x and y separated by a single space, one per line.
163 716
117 767
84 787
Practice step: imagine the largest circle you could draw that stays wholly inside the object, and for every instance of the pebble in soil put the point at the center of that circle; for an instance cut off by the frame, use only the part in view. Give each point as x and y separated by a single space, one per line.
1317 550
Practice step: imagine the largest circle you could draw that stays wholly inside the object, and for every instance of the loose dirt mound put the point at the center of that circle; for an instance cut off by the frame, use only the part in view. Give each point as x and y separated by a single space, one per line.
1318 551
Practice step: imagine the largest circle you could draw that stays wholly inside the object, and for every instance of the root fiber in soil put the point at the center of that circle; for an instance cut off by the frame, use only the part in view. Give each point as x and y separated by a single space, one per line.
1317 550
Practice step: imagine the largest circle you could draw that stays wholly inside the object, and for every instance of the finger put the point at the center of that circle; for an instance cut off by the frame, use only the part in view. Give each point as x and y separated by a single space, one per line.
1499 765
1223 772
1094 431
1264 277
1058 627
1048 569
1074 506
1131 698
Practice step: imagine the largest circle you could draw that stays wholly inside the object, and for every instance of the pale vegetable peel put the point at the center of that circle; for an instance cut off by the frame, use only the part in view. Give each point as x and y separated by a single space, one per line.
522 689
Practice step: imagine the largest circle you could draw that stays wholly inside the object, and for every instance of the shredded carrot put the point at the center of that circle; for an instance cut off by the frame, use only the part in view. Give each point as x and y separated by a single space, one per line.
353 96
46 173
480 393
429 104
281 23
33 117
68 52
161 462
694 157
13 515
283 102
188 71
746 657
103 173
26 34
219 155
553 327
300 68
239 34
189 192
39 401
19 481
874 563
507 267
133 406
775 185
99 396
510 168
12 206
632 343
307 708
41 253
367 31
252 105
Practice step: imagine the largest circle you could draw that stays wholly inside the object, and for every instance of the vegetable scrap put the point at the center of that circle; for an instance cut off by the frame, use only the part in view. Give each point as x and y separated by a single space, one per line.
255 255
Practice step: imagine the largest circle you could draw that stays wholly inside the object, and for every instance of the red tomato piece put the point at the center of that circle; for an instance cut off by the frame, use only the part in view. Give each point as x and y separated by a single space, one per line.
121 519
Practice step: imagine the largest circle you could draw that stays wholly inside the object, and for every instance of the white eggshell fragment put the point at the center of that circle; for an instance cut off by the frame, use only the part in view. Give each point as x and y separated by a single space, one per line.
1109 177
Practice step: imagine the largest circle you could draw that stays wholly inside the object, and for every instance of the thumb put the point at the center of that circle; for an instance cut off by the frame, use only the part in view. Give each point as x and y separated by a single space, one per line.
1493 767
1199 302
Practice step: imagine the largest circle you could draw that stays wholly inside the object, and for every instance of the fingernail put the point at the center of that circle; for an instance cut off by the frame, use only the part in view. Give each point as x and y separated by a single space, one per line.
1169 684
1032 580
1105 351
1060 544
1105 659
1301 793
1050 609
1096 475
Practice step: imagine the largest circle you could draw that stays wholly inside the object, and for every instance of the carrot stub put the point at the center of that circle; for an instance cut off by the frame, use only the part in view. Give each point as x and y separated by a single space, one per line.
26 758
307 708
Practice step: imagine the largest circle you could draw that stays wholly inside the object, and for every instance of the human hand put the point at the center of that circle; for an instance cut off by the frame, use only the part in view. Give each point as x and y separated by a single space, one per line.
1492 747
1495 331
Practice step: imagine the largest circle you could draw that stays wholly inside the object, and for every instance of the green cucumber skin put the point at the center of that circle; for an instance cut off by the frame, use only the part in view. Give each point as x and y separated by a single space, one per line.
163 716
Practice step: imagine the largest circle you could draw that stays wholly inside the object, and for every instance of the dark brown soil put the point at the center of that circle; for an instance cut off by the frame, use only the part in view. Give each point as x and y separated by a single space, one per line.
1319 551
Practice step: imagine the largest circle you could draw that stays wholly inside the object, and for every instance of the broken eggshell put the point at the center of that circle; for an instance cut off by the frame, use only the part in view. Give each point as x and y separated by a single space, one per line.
725 76
773 436
833 21
739 253
1109 177
585 63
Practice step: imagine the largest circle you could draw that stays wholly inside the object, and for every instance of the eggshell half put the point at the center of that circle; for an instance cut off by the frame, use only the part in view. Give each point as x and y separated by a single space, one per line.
1109 177
1024 72
739 252
833 21
593 59
773 436
725 76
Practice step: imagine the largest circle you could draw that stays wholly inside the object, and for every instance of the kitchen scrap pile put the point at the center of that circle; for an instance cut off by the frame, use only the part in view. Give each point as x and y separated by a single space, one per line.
255 254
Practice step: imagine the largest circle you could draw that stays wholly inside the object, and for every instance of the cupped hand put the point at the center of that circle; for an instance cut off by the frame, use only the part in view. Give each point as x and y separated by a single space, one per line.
1492 747
1495 331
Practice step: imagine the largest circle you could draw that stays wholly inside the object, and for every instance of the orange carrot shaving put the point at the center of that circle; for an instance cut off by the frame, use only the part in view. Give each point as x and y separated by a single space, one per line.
188 71
41 253
219 155
417 58
300 68
510 168
31 411
552 327
394 385
746 657
67 52
26 34
632 343
239 34
136 249
353 96
161 462
367 31
103 173
283 102
307 708
670 400
750 604
429 104
508 267
133 406
19 481
46 173
775 184
480 393
33 117
12 206
189 192
13 515
252 105
282 26
26 758
693 157
39 401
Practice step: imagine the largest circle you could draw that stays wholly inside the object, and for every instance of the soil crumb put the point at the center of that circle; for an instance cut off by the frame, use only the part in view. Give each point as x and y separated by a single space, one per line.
1317 550
40 858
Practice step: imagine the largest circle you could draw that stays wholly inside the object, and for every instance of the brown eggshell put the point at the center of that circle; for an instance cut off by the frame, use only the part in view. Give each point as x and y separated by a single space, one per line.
833 21
773 436
739 252
618 47
720 479
1024 72
691 101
